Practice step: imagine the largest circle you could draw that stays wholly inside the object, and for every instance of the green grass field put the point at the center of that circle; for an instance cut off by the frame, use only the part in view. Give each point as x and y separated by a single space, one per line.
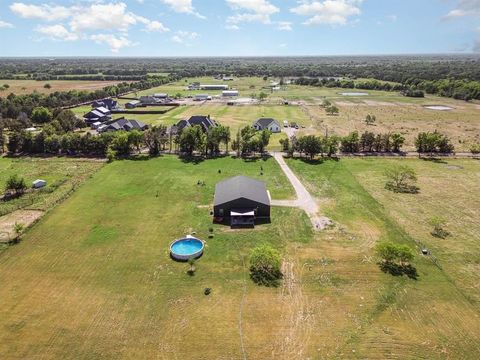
394 112
94 279
433 317
61 175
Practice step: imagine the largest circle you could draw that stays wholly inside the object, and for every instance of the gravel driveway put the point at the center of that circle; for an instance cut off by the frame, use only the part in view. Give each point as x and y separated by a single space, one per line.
304 200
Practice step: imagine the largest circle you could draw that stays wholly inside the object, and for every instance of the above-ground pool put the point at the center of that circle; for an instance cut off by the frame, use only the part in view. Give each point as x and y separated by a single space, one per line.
186 248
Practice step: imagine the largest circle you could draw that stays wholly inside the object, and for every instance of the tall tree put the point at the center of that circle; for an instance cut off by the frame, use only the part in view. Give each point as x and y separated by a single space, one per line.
41 115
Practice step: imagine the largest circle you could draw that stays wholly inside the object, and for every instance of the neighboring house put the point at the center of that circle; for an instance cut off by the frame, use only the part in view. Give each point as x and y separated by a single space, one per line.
149 100
37 184
123 124
205 122
100 114
110 104
160 96
267 124
95 125
213 87
132 104
229 93
202 97
194 86
241 201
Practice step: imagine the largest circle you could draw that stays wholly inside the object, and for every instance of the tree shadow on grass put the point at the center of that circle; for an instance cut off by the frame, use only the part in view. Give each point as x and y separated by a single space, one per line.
399 270
434 160
142 157
192 159
318 161
255 158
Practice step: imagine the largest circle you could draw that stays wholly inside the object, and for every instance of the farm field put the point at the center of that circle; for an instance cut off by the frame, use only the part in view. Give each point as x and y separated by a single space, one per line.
20 87
435 316
94 277
62 175
394 112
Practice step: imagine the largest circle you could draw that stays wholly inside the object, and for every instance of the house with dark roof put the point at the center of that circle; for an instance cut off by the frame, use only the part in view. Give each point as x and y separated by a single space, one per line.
267 124
124 124
110 104
241 201
205 122
132 104
99 114
149 100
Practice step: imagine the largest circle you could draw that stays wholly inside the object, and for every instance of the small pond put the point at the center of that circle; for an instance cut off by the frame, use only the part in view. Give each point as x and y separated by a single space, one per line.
354 94
438 107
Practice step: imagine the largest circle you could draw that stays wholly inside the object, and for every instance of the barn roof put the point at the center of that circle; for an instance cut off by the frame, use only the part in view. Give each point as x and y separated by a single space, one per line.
241 187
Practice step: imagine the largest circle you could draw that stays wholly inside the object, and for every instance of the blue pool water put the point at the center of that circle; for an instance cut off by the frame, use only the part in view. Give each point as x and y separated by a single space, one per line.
187 247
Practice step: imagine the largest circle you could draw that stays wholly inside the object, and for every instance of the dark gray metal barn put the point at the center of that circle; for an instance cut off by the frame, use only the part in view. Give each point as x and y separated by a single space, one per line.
241 201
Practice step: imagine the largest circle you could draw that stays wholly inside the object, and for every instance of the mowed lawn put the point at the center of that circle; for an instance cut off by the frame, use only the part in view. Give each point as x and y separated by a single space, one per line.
375 315
94 278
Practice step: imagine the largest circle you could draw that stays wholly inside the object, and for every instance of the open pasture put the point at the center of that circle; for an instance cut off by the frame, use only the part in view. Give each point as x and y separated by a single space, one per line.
21 87
394 112
377 315
94 277
62 176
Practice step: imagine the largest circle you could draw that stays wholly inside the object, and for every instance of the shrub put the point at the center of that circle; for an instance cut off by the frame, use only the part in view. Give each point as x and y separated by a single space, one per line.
401 179
265 266
396 259
16 184
332 110
438 224
475 149
111 154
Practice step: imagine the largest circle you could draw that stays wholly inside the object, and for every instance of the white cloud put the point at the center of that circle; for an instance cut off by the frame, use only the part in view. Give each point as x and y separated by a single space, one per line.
43 12
251 11
114 43
103 16
184 37
284 26
465 8
156 26
232 27
80 21
57 32
330 12
183 6
4 24
258 6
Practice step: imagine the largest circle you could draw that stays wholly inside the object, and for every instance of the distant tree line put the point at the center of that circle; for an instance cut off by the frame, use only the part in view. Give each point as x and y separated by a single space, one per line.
350 84
457 89
14 105
396 69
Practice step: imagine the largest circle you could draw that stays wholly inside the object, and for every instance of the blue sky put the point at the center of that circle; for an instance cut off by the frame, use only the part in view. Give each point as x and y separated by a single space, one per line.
237 27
